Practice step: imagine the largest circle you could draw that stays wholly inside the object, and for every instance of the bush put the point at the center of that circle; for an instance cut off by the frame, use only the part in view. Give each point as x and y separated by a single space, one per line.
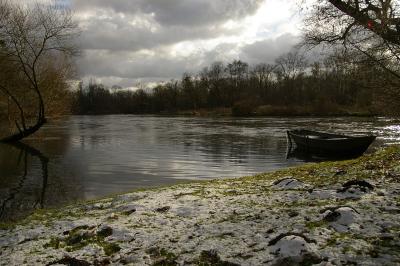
244 108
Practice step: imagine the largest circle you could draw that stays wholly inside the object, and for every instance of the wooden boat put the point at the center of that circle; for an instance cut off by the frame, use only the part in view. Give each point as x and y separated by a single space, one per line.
329 144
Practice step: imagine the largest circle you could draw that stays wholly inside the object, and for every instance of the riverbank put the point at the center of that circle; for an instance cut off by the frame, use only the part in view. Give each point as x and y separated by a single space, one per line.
264 111
271 111
331 213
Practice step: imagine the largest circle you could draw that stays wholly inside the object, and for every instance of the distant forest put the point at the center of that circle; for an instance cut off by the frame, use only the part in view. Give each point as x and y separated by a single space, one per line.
343 83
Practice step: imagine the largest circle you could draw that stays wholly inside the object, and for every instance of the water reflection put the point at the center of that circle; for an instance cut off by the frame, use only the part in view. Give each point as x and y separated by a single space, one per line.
94 156
311 157
17 202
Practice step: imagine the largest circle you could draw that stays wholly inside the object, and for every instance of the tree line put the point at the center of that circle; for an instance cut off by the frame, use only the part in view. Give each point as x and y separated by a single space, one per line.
344 82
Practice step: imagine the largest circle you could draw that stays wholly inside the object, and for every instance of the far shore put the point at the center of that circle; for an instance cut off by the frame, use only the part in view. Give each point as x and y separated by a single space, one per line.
263 111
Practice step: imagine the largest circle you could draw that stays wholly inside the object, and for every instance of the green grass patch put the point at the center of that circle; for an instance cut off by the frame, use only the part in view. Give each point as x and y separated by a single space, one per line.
82 236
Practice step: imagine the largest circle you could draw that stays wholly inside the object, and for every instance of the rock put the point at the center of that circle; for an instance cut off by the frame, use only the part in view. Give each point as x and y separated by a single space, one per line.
304 259
121 235
70 262
163 209
131 259
211 257
103 262
340 218
331 216
323 194
390 209
353 189
270 231
275 240
76 229
128 210
361 185
289 183
104 231
293 249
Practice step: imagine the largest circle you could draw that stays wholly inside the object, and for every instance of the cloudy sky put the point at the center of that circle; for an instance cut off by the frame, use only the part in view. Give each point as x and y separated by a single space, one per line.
126 42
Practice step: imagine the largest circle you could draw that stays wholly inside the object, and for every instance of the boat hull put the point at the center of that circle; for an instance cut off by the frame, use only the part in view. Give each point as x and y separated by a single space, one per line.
330 144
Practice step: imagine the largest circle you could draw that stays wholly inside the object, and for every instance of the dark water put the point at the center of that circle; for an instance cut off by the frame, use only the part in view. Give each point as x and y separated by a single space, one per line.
86 157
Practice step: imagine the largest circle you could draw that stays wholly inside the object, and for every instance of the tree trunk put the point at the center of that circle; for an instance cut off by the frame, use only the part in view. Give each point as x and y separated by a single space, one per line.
25 133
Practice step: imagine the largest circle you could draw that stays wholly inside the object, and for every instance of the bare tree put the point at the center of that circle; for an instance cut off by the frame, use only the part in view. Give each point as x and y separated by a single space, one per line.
290 65
372 27
29 37
237 71
379 16
215 76
262 72
337 20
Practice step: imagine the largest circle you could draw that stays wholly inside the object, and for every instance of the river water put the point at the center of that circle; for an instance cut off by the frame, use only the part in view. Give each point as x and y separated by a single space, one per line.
86 157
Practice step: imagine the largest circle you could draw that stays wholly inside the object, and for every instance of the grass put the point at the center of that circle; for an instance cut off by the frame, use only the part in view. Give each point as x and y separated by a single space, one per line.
162 257
370 166
80 237
315 224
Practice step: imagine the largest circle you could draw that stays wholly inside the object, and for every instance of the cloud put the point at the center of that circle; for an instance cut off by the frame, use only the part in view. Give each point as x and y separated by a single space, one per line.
115 33
128 69
266 51
189 13
134 25
129 41
199 12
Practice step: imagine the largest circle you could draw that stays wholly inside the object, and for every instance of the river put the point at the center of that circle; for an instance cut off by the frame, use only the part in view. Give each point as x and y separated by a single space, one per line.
86 157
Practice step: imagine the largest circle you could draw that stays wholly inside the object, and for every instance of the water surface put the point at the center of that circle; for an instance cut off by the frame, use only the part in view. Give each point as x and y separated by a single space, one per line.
87 157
